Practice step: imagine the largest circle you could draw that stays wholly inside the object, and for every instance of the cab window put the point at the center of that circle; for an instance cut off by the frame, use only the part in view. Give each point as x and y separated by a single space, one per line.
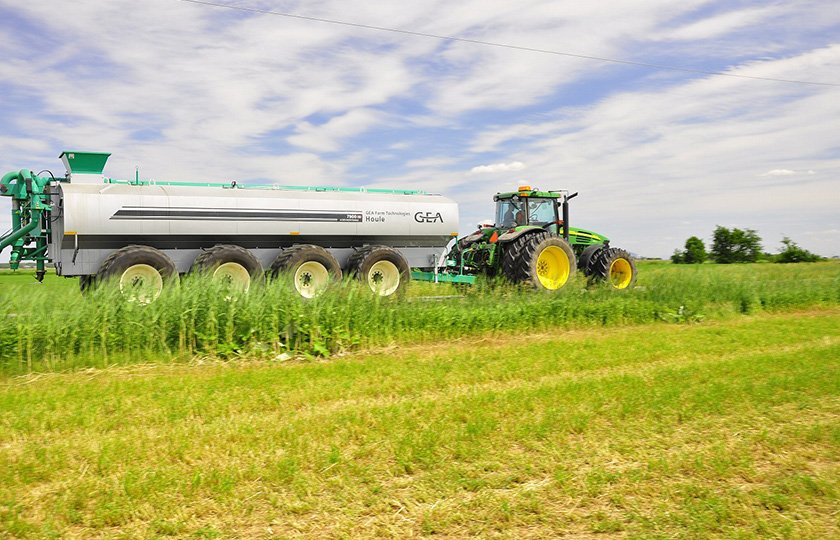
510 213
541 211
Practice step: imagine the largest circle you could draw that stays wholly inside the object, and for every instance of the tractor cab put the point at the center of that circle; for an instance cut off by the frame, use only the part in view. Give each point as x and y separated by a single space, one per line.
527 207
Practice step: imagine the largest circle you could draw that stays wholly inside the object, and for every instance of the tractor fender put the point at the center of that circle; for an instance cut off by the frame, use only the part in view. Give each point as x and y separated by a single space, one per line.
471 239
513 235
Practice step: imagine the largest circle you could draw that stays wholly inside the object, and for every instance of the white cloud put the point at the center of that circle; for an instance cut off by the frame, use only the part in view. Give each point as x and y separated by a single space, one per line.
722 24
328 137
787 172
498 167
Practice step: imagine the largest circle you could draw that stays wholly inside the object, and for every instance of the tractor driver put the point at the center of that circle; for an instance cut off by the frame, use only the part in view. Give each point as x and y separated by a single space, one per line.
513 216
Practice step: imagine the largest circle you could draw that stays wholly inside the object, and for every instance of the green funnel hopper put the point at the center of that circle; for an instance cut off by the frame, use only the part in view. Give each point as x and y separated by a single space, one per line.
84 162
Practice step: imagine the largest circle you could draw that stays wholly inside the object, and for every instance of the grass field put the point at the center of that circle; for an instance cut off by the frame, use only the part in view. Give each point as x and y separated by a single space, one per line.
722 430
704 404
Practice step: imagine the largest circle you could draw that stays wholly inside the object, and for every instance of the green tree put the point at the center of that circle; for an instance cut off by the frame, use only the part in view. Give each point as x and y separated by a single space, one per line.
792 253
695 252
735 246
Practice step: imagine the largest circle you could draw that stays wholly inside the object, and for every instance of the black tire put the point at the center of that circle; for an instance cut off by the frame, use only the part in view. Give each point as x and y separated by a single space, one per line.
129 268
542 260
306 264
87 283
228 256
382 268
615 267
587 258
512 253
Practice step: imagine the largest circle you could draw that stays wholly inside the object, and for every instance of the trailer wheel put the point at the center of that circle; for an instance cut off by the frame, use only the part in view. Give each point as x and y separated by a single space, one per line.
86 283
230 264
140 272
542 260
383 268
616 267
588 257
311 267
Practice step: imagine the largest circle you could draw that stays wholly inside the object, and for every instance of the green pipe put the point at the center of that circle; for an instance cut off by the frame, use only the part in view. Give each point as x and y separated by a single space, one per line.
234 185
17 191
37 252
8 177
14 236
40 267
6 182
15 214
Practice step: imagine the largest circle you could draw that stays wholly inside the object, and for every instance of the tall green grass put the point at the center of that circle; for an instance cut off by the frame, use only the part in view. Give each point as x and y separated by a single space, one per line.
51 328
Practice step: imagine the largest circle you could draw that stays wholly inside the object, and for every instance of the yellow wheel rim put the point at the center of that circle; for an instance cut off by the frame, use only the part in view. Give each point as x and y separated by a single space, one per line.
553 268
621 273
141 283
234 275
384 278
311 278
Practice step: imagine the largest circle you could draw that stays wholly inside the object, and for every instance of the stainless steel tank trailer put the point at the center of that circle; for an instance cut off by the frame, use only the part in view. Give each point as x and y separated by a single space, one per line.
143 234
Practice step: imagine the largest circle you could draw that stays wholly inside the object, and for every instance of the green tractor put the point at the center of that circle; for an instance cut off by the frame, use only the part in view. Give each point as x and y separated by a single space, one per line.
531 242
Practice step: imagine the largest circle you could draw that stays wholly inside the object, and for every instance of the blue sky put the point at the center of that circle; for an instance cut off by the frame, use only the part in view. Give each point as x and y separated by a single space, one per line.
193 92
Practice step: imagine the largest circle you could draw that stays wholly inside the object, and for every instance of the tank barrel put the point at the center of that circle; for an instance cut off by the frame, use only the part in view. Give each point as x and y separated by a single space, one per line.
88 225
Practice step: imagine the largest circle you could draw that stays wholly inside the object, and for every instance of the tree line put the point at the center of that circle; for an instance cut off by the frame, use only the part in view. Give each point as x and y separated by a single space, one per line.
739 246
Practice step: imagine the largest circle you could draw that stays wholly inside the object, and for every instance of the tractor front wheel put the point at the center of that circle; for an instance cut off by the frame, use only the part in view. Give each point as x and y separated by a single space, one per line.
588 257
616 267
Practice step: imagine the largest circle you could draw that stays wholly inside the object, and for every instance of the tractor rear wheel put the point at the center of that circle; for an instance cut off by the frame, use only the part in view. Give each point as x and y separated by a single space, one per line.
312 268
616 267
383 268
541 260
140 271
230 264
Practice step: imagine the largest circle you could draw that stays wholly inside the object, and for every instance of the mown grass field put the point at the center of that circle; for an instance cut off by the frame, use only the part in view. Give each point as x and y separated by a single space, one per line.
704 404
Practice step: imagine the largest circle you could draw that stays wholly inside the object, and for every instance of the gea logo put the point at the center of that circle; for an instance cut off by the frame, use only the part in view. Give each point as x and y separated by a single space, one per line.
428 217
